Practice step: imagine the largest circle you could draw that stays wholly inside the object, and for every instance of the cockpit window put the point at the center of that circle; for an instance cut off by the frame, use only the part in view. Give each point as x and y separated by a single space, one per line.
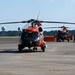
30 34
26 26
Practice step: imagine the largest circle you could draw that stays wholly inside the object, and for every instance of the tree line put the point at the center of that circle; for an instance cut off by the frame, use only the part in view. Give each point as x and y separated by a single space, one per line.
18 32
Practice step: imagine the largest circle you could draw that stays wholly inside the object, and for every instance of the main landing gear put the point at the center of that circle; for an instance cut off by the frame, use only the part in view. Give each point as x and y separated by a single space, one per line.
20 48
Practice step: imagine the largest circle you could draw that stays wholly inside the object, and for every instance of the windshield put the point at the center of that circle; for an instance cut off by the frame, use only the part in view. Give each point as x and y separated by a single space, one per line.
26 26
30 34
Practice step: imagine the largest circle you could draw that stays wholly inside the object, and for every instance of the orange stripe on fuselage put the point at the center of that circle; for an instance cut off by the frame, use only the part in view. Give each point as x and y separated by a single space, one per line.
41 44
33 29
64 31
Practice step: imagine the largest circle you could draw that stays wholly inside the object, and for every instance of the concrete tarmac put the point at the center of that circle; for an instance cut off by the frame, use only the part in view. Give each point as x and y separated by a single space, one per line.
58 59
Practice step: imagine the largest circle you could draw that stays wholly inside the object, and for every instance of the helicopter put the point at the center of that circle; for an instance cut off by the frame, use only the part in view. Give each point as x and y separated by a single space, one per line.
32 36
63 34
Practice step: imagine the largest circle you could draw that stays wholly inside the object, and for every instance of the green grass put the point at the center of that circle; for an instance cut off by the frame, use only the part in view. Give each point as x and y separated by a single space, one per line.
9 36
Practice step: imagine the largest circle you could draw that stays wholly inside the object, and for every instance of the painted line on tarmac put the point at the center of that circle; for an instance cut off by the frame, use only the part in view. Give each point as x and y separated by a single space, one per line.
24 55
14 70
40 69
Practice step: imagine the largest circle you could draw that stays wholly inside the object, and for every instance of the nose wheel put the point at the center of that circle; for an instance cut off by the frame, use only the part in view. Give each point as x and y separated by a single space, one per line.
34 48
20 47
43 49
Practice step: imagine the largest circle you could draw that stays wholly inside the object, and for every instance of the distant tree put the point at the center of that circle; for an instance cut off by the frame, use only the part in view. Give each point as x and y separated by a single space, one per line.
19 29
3 29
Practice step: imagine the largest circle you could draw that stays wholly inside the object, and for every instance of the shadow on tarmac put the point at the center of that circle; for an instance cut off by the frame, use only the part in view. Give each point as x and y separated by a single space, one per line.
16 51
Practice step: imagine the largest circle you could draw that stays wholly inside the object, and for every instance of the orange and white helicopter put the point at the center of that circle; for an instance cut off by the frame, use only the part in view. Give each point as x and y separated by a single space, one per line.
63 34
32 36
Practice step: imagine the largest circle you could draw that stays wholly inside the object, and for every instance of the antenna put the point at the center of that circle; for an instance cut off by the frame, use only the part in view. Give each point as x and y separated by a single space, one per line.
38 15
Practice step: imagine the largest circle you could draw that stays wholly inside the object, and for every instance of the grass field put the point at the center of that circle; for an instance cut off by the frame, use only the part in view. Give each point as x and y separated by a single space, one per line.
9 36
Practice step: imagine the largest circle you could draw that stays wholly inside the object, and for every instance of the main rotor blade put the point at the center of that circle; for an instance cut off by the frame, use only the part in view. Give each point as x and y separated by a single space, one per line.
14 22
50 27
55 27
37 21
57 22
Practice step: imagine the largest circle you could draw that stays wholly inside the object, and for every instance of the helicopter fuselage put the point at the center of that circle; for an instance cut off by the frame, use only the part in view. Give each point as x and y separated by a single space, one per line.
61 36
30 37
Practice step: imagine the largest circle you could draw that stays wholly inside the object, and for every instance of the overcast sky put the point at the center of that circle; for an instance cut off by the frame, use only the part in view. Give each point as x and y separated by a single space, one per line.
51 10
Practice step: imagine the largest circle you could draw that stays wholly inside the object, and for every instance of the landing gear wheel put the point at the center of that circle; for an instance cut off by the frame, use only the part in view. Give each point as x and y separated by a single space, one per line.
43 49
20 48
68 40
71 38
29 47
57 40
34 49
